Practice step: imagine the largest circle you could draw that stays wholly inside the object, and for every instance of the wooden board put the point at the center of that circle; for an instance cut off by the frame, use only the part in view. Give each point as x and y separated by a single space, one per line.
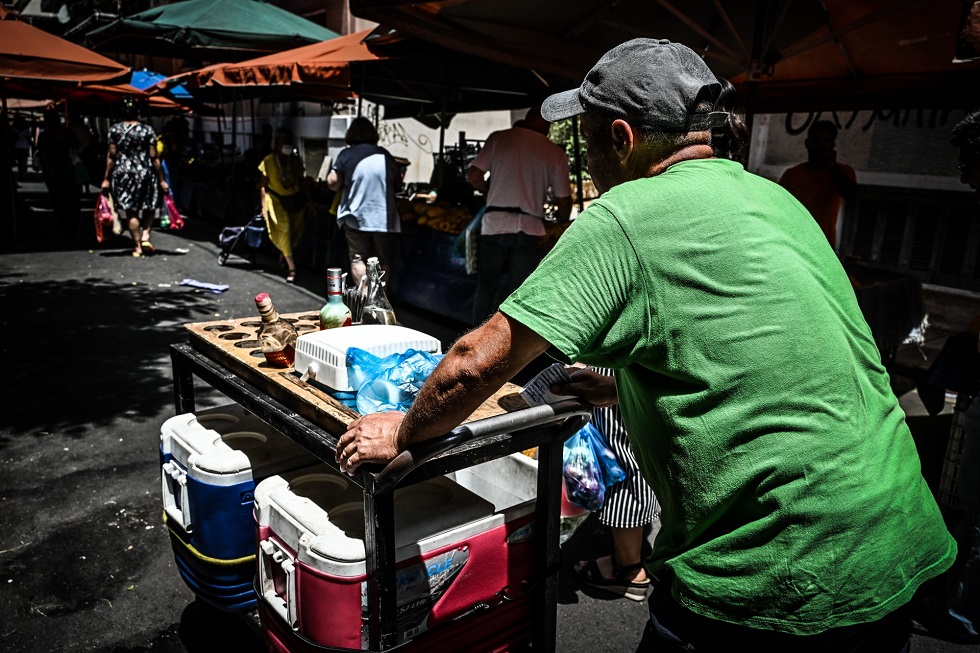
234 345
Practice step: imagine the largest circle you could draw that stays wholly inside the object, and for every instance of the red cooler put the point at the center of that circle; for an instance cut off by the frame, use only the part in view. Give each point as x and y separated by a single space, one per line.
463 562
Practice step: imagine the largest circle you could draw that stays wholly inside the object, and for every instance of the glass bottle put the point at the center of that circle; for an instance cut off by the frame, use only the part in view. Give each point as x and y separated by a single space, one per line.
277 337
377 309
335 312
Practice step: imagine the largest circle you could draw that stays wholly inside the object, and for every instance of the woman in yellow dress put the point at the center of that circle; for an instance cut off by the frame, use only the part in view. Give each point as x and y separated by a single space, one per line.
284 195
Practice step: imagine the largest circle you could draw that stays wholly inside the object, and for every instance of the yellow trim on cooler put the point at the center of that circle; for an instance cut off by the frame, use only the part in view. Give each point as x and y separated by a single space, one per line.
200 556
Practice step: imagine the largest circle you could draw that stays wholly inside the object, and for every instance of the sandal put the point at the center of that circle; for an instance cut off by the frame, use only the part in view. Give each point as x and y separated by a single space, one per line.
291 277
588 572
137 253
148 247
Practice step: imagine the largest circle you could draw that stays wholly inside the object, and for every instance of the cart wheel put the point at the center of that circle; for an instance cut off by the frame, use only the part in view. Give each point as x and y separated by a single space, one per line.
222 258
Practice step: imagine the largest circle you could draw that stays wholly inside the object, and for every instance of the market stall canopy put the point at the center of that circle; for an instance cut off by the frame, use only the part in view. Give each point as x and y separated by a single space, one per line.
147 79
228 30
416 78
782 55
408 76
28 54
320 70
100 98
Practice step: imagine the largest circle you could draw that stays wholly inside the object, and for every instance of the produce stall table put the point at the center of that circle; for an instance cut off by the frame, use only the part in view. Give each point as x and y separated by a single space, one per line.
435 277
225 355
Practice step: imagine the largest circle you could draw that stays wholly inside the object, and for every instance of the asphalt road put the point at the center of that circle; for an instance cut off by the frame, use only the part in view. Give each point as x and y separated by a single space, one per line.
85 561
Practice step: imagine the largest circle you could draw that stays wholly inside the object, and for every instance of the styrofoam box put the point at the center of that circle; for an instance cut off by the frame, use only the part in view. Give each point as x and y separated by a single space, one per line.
458 543
323 354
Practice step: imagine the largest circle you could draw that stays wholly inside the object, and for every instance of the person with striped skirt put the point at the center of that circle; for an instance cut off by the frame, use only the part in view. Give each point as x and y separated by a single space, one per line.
629 507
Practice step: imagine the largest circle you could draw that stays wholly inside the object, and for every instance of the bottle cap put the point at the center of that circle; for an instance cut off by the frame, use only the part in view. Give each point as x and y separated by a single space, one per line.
261 297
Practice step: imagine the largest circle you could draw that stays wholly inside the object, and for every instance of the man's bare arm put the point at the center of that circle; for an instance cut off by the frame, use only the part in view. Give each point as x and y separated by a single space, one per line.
564 205
334 182
843 184
477 179
477 366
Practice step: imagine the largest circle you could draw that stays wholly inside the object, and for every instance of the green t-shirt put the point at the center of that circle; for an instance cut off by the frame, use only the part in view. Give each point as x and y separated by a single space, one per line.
753 394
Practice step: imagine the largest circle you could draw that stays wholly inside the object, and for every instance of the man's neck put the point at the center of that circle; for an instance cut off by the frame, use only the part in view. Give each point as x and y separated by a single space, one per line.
686 153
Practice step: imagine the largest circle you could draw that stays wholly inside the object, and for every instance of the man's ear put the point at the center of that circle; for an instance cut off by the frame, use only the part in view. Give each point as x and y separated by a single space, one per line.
623 138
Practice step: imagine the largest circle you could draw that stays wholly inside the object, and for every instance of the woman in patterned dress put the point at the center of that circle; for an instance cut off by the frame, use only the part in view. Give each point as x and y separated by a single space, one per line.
134 176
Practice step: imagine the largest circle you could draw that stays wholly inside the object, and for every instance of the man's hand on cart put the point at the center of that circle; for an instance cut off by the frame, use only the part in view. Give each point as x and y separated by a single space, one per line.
597 389
370 439
474 368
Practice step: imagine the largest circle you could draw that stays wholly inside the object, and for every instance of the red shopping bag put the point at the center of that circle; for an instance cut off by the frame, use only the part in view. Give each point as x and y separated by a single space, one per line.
176 221
103 217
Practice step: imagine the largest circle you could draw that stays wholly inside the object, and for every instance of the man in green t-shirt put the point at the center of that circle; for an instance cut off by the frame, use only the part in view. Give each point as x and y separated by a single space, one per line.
795 516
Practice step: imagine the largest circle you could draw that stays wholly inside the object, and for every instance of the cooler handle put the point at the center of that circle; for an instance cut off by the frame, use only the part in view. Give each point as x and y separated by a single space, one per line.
174 476
272 554
573 411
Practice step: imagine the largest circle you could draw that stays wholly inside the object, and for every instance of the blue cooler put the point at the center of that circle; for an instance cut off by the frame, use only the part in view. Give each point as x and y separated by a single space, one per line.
211 463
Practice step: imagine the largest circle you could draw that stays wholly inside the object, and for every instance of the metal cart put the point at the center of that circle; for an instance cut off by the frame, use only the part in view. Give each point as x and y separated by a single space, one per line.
545 427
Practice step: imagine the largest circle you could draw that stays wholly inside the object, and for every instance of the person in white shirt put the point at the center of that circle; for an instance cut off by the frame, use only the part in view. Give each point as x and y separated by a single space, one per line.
523 166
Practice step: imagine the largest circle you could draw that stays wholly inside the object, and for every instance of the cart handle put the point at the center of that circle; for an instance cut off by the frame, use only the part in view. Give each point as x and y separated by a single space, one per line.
410 459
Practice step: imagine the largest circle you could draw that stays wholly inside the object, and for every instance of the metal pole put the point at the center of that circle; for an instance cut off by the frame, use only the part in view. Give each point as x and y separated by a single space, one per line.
251 109
441 164
234 136
360 94
221 137
7 176
578 164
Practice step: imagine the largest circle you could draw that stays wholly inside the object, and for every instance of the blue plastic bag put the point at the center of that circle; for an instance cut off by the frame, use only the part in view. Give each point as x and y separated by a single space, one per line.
612 471
589 467
391 383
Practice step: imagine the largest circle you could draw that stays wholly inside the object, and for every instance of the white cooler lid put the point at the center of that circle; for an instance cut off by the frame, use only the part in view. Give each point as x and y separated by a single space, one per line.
229 440
320 514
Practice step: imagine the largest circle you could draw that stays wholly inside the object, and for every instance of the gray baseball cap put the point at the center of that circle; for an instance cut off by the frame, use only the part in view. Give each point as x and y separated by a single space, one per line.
655 82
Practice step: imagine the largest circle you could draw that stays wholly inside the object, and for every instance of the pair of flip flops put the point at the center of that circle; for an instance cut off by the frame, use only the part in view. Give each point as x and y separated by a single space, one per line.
589 573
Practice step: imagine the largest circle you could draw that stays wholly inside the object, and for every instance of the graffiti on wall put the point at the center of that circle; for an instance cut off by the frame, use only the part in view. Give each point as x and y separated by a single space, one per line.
394 134
797 123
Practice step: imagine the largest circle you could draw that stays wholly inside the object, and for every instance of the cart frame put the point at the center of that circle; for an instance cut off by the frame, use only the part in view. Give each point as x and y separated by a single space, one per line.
545 427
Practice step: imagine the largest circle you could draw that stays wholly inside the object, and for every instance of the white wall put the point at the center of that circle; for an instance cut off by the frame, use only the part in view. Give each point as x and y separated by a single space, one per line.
908 149
410 139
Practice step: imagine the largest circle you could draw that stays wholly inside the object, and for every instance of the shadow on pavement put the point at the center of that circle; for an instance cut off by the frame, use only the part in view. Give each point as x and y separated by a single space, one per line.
100 357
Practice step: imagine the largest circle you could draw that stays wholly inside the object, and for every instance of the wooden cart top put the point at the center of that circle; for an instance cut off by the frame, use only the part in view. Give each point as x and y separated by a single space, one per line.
234 344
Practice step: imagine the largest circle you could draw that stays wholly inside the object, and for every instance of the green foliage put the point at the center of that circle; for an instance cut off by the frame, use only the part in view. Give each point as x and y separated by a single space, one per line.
561 133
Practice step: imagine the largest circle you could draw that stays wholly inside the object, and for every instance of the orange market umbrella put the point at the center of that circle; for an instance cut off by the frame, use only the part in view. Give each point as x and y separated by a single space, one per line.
39 63
28 53
410 77
320 70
